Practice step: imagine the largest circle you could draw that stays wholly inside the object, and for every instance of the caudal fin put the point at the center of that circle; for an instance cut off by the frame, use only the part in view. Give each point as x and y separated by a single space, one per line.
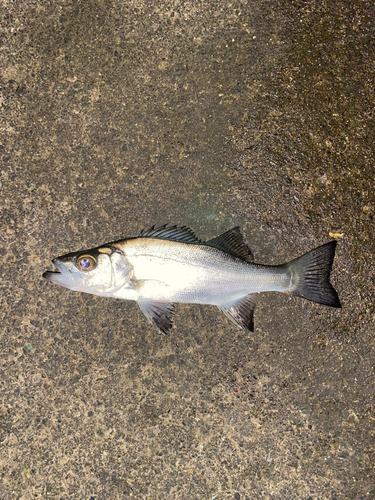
310 275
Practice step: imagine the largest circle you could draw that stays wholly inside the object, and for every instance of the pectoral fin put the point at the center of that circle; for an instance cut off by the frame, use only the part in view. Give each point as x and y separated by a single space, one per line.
241 312
158 313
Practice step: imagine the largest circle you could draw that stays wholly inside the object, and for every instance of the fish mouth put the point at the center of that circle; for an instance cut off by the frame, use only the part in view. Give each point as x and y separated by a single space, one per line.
50 275
61 275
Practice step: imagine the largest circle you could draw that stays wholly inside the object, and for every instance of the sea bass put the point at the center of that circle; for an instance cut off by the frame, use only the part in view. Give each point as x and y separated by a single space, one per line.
165 265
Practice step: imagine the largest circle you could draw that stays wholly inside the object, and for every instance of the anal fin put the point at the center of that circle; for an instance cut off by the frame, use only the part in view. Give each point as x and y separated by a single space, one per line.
241 312
158 313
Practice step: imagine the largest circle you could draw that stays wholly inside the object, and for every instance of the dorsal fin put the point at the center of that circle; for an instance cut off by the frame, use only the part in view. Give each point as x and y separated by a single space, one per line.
182 234
232 242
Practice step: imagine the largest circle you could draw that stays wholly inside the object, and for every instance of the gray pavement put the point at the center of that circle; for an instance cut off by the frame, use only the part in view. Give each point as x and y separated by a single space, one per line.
119 115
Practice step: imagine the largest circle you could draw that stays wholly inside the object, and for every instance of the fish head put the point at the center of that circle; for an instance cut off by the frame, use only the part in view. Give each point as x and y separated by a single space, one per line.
100 271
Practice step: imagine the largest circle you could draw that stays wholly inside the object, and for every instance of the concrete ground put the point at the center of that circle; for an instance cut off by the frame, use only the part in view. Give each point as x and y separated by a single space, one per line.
117 115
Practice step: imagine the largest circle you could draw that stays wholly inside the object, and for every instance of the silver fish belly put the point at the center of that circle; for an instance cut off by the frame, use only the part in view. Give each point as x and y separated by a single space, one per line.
167 265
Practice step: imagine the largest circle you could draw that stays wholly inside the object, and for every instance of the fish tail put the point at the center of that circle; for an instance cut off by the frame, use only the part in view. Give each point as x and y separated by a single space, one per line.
310 276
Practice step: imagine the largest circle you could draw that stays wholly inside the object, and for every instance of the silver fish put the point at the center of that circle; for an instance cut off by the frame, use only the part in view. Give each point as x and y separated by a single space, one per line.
165 265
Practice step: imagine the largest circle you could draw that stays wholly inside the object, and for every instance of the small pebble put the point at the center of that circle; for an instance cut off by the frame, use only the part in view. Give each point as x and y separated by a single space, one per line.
27 349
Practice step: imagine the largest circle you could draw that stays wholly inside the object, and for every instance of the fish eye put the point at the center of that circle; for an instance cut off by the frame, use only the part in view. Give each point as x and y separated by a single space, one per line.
86 262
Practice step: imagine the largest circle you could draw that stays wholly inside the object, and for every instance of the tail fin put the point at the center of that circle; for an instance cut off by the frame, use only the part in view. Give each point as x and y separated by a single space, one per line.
310 275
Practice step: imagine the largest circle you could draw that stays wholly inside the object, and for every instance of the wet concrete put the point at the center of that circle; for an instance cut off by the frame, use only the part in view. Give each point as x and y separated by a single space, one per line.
116 117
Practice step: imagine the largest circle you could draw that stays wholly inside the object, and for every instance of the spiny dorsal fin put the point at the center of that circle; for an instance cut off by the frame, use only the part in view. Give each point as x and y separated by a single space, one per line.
183 234
232 242
241 312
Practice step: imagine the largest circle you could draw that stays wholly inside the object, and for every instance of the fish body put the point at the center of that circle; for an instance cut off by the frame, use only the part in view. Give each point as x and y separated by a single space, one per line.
165 265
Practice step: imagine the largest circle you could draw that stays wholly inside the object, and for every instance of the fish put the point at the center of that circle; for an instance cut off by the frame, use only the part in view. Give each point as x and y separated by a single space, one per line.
165 265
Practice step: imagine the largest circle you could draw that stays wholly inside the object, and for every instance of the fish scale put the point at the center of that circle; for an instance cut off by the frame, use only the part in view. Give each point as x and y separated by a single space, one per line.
189 273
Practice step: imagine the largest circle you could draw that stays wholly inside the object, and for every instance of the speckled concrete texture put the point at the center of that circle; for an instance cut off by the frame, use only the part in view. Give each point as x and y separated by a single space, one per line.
119 115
